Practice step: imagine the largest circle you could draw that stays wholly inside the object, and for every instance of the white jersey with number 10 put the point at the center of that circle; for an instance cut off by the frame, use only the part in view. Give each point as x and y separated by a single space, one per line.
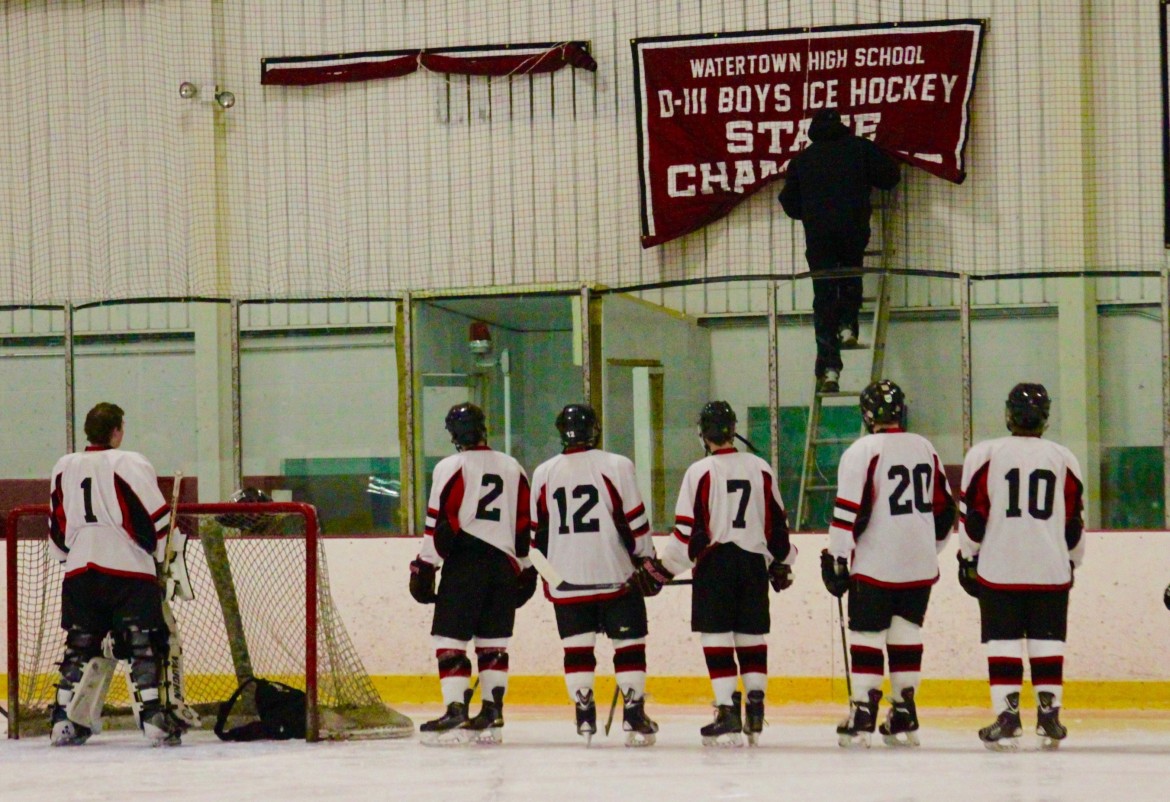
1022 513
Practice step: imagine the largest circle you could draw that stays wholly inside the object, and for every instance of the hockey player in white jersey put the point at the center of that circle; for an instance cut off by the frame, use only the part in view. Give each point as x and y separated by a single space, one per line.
591 524
108 525
892 516
730 526
477 531
1022 526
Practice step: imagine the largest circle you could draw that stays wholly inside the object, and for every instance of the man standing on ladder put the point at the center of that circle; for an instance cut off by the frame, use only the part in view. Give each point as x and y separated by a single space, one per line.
828 188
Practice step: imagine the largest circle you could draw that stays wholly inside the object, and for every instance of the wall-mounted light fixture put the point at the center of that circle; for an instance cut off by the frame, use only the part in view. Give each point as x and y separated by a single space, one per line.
223 98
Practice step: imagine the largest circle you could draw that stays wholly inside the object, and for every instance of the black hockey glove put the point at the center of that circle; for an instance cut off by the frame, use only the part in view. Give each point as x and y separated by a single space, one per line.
1166 597
780 575
834 573
525 586
422 582
969 576
649 577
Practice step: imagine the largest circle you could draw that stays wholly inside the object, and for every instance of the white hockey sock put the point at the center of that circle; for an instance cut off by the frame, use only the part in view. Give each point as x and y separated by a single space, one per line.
1046 662
454 668
752 653
492 655
580 663
1005 670
629 666
904 655
719 652
866 662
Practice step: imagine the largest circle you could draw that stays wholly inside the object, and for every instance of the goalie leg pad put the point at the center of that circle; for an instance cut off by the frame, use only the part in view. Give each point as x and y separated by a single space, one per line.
89 694
148 662
81 690
142 646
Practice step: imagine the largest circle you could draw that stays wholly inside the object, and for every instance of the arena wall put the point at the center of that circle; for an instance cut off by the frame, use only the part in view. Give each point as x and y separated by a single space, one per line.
1117 631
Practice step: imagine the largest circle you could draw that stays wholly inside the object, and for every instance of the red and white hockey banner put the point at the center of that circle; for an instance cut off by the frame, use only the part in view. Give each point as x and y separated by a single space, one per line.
488 60
720 115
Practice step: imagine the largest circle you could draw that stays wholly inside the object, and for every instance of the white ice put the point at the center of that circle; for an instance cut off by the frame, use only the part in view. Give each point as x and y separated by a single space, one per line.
1108 757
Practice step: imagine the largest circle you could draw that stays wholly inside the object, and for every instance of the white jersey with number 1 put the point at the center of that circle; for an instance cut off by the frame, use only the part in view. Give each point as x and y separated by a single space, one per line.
107 513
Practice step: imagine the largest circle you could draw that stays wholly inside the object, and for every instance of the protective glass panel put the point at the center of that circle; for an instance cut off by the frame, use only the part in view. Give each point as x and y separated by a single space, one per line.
1132 410
32 392
142 358
319 410
655 378
512 356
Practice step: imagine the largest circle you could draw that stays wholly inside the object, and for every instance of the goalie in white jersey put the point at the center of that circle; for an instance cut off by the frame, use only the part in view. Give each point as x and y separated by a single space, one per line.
892 516
591 524
1022 517
477 530
107 526
730 525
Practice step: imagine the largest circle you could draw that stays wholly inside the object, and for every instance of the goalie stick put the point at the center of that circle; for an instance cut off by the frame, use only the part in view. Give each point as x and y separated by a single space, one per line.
171 687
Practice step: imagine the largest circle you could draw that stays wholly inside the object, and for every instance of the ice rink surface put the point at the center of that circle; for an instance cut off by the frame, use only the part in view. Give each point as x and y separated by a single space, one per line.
1108 757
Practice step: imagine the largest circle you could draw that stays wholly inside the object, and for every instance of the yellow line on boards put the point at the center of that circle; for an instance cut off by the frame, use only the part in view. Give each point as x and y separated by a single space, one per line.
550 690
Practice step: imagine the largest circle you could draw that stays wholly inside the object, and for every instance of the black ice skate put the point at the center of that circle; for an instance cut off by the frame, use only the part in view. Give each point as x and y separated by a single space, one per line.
753 723
1004 734
447 729
586 716
1048 725
726 728
901 725
640 729
487 727
66 732
161 727
857 729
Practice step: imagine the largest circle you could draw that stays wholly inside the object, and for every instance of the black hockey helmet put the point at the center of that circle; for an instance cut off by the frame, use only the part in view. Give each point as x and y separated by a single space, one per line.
577 424
466 424
1027 408
717 422
244 521
250 495
882 402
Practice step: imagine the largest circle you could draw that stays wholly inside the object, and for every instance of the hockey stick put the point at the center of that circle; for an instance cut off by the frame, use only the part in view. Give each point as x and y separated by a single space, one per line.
612 706
844 647
748 443
550 575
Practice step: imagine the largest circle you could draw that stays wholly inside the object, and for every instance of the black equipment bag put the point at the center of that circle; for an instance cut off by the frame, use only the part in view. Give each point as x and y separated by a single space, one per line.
280 708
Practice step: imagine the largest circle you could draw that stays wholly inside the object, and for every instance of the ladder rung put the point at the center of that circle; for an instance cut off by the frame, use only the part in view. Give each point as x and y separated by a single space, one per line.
854 394
833 441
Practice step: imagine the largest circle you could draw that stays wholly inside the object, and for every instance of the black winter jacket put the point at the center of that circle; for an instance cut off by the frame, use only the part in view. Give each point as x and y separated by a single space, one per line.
828 184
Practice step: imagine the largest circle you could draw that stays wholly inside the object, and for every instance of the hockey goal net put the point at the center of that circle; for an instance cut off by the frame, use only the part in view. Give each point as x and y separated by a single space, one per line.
262 608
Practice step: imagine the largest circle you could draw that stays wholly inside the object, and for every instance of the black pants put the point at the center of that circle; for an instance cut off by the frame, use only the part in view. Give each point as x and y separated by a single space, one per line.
836 300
